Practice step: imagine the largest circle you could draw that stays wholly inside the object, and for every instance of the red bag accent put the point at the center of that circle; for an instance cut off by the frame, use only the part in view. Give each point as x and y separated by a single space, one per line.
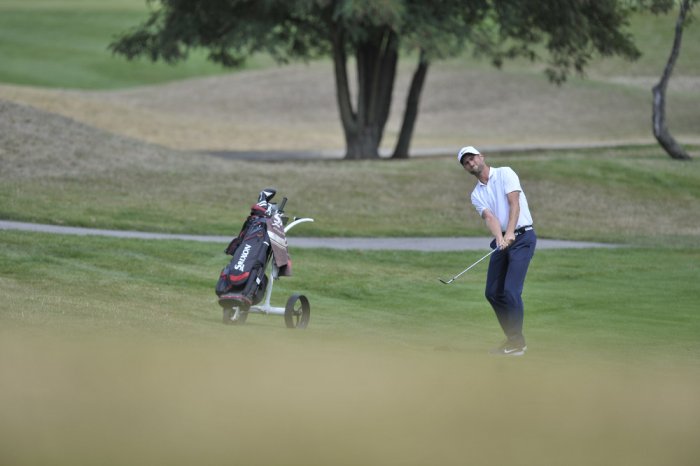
239 278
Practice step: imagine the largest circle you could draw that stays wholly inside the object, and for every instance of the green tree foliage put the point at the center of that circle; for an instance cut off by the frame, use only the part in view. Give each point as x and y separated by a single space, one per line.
565 33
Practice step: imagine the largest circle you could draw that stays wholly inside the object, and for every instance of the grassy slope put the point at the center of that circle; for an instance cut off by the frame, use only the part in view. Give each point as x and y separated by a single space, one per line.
654 37
106 181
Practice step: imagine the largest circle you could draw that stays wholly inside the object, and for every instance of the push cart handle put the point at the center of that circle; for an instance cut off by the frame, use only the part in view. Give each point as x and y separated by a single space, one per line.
297 221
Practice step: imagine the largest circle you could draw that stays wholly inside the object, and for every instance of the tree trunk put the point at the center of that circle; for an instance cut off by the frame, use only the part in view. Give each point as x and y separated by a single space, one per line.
376 71
411 111
661 132
362 144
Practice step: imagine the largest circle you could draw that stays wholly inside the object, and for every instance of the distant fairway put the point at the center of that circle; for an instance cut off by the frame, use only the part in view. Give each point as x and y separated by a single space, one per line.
63 43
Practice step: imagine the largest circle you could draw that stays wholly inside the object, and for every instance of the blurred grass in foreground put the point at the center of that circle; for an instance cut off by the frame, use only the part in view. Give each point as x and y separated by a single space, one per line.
293 401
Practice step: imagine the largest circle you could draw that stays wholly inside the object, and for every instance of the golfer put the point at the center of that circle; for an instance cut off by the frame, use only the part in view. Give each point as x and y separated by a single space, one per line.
501 202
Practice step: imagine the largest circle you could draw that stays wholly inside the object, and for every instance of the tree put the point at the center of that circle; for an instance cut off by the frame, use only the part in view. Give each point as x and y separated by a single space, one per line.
375 33
661 132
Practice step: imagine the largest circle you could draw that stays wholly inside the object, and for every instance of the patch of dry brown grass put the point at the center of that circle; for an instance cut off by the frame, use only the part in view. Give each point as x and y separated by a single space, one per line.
294 108
38 144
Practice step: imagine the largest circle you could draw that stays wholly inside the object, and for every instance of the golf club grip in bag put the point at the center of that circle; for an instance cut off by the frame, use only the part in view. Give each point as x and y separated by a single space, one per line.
244 277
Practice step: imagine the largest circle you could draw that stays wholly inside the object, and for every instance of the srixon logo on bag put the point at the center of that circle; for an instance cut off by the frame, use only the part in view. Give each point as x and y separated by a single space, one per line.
240 265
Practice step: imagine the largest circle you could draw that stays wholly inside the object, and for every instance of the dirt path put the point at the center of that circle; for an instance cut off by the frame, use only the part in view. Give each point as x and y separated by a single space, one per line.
402 244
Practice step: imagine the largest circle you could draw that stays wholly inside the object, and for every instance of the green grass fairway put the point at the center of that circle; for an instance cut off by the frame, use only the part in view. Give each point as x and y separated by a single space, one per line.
625 304
63 43
114 349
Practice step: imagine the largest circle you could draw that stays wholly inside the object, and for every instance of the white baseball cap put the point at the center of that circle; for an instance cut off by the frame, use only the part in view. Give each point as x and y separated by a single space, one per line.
466 150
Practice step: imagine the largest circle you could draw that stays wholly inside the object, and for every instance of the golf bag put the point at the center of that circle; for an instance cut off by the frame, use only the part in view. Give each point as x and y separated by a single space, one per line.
261 237
244 279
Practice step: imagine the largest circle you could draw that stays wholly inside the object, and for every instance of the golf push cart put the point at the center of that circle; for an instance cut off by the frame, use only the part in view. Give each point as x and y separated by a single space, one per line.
259 259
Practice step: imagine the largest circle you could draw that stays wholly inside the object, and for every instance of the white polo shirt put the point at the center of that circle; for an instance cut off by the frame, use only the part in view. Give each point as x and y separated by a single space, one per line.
493 196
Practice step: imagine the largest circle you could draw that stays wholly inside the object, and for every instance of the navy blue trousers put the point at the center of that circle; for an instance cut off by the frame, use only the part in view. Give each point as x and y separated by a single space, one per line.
505 280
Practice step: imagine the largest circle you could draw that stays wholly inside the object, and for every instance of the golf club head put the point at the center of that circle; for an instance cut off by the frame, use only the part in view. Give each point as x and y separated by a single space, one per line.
267 194
446 282
265 197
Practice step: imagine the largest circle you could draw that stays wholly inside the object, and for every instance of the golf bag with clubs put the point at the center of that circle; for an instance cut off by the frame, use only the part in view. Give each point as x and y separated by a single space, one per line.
244 278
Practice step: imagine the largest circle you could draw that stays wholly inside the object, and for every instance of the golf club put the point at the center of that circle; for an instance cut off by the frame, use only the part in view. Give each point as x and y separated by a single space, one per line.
467 269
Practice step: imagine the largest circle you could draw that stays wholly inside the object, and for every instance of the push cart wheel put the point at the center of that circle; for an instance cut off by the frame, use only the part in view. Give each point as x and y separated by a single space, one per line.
297 312
230 317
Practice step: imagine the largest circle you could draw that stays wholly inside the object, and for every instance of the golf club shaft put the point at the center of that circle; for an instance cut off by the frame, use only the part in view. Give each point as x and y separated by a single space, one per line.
471 266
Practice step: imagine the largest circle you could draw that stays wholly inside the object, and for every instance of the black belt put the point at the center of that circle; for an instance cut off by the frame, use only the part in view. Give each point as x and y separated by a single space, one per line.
522 230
